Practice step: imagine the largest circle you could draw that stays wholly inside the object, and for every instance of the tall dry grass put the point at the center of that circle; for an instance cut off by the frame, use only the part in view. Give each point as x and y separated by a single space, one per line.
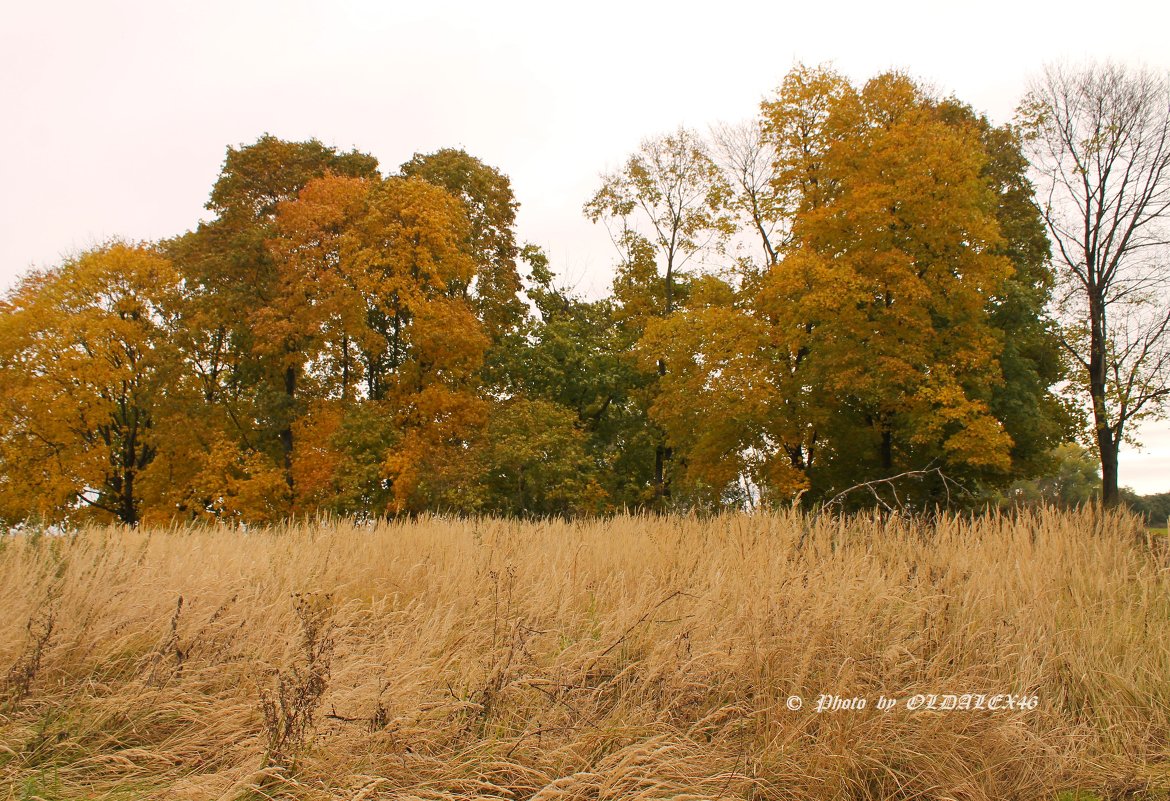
635 658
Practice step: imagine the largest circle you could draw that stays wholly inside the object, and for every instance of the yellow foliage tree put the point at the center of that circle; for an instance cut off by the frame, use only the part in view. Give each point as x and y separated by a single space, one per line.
89 387
868 345
892 269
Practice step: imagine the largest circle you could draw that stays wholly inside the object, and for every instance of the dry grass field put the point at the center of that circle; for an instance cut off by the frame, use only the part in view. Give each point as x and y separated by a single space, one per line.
633 658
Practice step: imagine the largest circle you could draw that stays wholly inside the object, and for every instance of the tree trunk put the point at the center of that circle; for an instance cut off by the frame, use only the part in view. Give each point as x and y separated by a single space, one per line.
669 288
129 510
1108 445
1108 442
344 369
662 455
887 449
127 423
286 434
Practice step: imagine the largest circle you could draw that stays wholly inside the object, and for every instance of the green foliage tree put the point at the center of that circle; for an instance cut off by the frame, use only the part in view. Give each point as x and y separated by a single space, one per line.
576 354
1071 478
1154 509
534 461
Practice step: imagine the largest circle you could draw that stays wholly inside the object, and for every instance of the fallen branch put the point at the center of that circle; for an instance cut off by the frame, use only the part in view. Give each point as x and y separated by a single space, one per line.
890 482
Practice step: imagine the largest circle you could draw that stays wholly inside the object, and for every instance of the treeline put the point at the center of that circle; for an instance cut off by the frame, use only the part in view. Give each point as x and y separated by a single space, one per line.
850 288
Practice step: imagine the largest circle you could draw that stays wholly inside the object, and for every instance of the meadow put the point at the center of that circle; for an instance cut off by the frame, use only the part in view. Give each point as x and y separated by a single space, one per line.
637 657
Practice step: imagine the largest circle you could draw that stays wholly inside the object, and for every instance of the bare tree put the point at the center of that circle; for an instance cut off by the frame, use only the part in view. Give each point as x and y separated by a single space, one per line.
747 160
1100 144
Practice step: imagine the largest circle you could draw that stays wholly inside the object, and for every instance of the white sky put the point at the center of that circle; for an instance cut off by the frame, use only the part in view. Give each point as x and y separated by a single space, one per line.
114 116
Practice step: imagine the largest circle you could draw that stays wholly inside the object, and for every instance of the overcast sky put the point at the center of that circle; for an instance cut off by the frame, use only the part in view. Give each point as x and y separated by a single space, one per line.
114 117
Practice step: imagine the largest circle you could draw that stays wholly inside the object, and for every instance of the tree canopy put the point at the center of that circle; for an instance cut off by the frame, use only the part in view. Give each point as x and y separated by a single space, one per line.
852 287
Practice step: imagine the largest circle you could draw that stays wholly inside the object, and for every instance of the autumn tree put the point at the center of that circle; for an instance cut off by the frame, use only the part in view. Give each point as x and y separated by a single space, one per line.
668 201
738 404
908 253
889 278
313 327
487 198
230 275
664 208
728 405
363 312
432 344
316 310
1100 140
331 325
89 387
798 125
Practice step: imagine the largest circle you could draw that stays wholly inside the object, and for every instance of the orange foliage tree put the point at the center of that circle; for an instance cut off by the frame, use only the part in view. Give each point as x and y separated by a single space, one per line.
367 311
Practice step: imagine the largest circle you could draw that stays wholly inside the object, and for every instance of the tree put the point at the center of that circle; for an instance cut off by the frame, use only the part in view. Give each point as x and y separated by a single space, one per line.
884 295
576 354
257 178
666 206
313 323
1100 142
669 195
533 461
487 197
1154 508
797 126
365 269
329 328
1032 412
868 346
89 387
729 405
747 156
231 276
1071 479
